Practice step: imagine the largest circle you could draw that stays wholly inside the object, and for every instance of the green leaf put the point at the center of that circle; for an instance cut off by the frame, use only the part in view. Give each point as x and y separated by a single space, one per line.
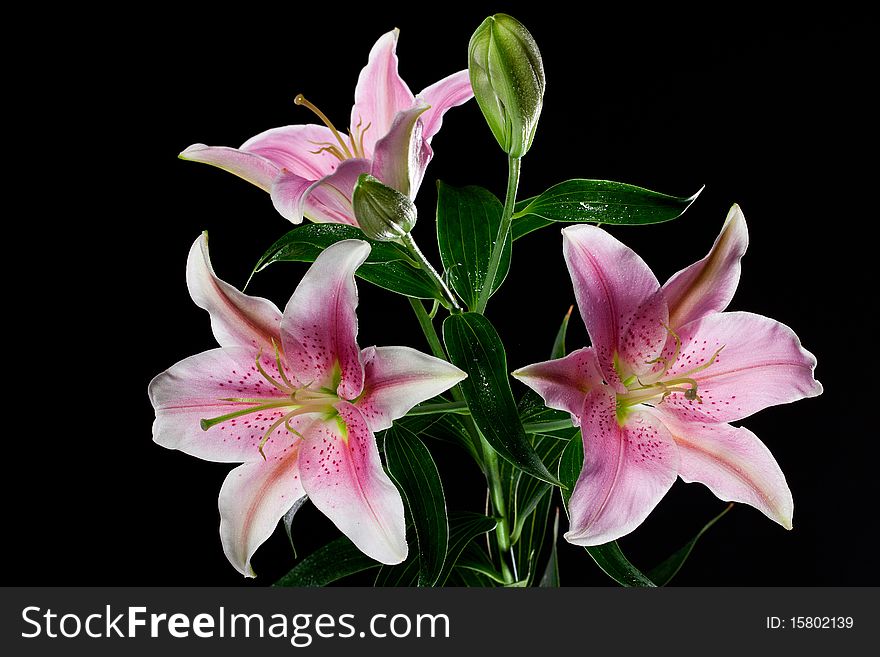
401 574
411 466
604 201
474 346
550 578
528 491
558 350
475 558
663 573
449 428
464 527
529 223
338 559
467 225
470 578
389 266
609 557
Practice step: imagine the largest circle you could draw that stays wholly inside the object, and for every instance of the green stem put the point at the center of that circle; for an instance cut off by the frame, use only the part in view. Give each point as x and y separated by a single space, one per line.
502 529
411 246
428 328
449 407
513 168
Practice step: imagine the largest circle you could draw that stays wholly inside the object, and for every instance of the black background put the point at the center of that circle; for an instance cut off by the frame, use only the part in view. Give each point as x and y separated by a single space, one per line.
772 112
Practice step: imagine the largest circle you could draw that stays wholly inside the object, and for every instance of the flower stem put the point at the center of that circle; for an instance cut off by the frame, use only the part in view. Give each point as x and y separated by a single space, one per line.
428 328
411 246
542 427
513 169
502 529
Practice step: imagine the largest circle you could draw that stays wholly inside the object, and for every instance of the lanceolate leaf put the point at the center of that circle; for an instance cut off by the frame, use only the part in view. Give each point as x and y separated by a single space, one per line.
388 265
412 468
550 578
474 346
602 201
467 225
449 427
665 571
558 350
338 559
464 527
609 556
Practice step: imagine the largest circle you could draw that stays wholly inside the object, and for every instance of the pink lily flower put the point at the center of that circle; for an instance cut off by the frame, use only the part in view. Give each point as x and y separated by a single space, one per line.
311 170
665 375
292 397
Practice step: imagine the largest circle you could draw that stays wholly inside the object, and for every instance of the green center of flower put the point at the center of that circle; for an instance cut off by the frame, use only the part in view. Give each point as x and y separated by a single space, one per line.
297 400
345 148
660 386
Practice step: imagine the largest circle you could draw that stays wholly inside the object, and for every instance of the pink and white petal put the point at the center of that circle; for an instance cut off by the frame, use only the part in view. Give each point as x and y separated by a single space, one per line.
398 378
565 382
319 328
252 167
297 148
620 302
627 471
380 93
327 200
402 155
237 319
253 498
343 477
734 464
449 92
708 286
200 387
761 363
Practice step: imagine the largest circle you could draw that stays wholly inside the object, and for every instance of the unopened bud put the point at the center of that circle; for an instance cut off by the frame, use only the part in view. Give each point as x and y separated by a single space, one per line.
507 76
381 211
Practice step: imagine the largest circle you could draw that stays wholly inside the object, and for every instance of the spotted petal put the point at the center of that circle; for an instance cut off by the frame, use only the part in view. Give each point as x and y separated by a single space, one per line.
619 299
237 319
380 93
565 382
761 363
398 378
733 463
343 477
202 387
627 470
252 500
319 328
707 286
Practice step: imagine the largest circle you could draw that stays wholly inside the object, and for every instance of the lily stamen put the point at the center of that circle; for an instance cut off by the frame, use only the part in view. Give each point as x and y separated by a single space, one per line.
268 378
301 100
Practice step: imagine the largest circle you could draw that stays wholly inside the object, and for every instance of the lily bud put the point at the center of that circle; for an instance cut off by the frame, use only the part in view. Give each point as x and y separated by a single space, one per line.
381 211
507 76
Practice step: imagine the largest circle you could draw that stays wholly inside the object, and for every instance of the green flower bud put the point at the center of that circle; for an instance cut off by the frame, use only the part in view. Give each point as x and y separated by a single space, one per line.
508 79
382 212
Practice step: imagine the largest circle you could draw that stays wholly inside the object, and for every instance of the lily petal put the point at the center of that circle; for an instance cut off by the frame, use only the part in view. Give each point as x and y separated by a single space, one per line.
297 148
201 387
565 382
254 168
380 93
449 92
620 301
734 464
398 378
708 286
319 328
237 319
253 498
627 470
327 200
761 363
343 477
402 155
